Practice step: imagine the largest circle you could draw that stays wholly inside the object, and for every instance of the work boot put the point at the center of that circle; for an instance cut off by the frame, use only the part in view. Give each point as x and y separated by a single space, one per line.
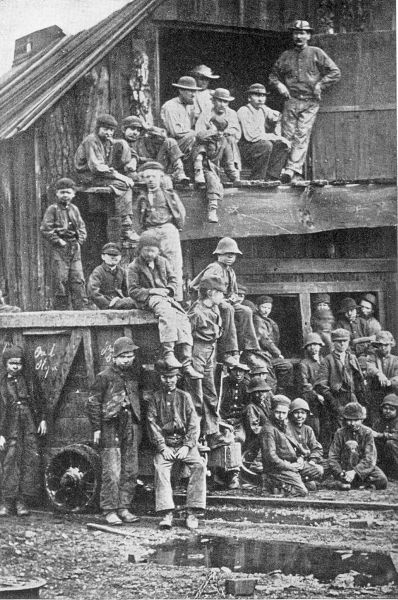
112 519
127 516
311 486
341 485
286 176
234 484
169 356
192 521
128 233
185 351
6 509
21 509
179 175
200 177
212 216
167 521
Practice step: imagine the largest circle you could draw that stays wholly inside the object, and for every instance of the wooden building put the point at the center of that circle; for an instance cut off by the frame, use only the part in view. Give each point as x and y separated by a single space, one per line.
339 238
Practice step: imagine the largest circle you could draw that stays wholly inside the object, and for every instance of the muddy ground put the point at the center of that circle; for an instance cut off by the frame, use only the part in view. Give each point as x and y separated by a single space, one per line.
87 564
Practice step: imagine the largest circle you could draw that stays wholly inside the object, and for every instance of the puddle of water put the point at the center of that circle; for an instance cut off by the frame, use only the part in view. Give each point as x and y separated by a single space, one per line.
253 556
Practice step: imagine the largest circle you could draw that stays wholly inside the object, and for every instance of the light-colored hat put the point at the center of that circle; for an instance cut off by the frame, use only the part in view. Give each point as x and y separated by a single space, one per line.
204 71
226 245
186 83
299 404
312 338
300 25
223 94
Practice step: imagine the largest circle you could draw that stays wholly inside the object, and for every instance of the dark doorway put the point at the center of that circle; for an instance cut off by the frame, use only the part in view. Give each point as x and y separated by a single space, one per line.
240 58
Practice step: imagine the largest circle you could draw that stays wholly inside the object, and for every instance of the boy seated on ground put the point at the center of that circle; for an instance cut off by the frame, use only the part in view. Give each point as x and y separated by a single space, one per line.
257 414
148 143
304 435
174 431
152 284
385 432
283 457
107 284
352 455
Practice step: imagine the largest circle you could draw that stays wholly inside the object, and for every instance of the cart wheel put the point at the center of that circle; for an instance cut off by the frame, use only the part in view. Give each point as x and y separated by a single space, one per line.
73 478
251 469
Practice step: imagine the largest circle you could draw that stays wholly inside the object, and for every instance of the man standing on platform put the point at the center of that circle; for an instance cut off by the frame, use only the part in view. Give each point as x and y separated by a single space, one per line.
301 75
115 415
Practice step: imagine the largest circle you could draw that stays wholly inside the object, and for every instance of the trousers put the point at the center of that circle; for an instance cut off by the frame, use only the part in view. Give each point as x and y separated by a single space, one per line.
68 277
21 466
174 325
265 158
298 118
120 438
170 246
196 491
203 391
238 328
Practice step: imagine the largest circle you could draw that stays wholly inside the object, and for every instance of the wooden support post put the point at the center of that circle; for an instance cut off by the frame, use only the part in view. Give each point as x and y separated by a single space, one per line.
65 363
305 311
156 70
88 356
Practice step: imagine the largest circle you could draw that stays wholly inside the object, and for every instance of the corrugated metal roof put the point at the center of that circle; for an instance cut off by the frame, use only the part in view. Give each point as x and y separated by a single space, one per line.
32 88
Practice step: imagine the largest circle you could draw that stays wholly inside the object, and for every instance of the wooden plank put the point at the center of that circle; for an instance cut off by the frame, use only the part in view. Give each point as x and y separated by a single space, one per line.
357 108
64 364
37 214
305 311
88 355
308 265
70 318
285 210
293 287
7 224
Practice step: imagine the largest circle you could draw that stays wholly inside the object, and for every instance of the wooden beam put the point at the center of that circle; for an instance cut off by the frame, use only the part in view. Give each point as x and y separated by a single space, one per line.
309 265
70 318
88 356
358 108
313 287
305 311
65 362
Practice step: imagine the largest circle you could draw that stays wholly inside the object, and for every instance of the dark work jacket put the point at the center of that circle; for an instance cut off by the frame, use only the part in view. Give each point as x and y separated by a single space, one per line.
277 450
362 459
63 223
217 269
105 284
233 401
305 436
176 207
27 393
387 426
340 384
143 281
111 391
267 332
172 420
308 371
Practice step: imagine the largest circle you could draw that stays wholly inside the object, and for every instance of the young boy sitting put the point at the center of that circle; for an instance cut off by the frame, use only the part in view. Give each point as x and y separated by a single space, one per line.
20 411
385 432
352 455
174 431
152 284
304 435
238 330
107 284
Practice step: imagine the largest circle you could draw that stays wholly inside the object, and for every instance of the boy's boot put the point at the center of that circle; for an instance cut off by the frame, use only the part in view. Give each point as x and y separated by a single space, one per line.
198 171
185 352
128 233
169 356
212 216
179 175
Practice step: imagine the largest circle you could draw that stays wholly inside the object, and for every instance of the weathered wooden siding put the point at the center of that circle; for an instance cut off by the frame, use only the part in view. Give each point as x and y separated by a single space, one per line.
355 132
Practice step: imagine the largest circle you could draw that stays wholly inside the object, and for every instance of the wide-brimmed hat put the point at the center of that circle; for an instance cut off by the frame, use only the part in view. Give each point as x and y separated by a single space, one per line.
204 71
239 365
257 88
258 384
122 345
312 338
347 304
223 94
186 83
340 334
300 25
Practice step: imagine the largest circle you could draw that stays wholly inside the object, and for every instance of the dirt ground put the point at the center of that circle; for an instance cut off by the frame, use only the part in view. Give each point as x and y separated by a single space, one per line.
87 564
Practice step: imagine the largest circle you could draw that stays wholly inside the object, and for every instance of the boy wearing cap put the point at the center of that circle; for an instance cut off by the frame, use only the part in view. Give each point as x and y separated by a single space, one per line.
63 227
282 456
258 410
94 164
340 379
152 283
174 431
349 320
148 143
308 371
115 414
107 284
382 372
304 435
163 214
262 146
385 432
178 118
301 75
352 455
268 336
203 98
206 325
367 307
22 417
238 330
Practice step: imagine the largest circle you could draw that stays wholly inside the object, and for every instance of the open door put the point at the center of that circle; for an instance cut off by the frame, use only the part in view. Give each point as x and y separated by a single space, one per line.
354 137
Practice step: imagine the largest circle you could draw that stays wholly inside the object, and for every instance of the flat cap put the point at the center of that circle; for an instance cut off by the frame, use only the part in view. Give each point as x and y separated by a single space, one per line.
312 338
384 337
340 334
280 399
12 352
391 399
122 345
106 120
65 183
151 164
132 121
111 249
258 384
319 298
264 300
371 298
163 368
354 410
257 88
347 304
